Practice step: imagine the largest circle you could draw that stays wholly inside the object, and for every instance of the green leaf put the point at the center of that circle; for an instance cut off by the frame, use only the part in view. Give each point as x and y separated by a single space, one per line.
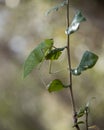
88 60
37 56
78 18
81 112
55 85
57 7
78 123
54 54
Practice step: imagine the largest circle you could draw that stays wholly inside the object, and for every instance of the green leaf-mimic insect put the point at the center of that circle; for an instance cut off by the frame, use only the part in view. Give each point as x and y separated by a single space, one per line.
37 56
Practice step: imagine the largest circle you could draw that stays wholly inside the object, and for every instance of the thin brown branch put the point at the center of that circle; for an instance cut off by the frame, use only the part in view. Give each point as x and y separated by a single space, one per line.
87 118
70 74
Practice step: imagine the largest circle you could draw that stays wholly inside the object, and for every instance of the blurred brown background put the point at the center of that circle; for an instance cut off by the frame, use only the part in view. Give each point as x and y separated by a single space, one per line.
26 104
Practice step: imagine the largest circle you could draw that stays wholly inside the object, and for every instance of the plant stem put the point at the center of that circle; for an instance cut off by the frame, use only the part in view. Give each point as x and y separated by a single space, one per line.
86 118
70 74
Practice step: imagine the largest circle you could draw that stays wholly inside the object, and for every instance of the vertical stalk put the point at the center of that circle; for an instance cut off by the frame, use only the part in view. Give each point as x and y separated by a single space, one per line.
86 118
70 74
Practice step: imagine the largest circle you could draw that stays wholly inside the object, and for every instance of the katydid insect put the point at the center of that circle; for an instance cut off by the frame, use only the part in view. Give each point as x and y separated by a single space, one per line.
37 56
44 51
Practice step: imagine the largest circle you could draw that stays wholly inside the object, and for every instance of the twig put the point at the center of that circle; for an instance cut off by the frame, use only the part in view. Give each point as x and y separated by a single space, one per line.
86 118
70 74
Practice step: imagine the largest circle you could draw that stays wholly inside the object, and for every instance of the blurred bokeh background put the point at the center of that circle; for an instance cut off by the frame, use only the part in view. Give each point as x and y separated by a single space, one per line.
25 104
